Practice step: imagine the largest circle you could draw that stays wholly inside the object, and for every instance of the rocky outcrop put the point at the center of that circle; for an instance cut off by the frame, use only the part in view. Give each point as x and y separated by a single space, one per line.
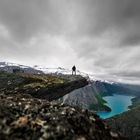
88 97
128 123
48 87
23 117
56 91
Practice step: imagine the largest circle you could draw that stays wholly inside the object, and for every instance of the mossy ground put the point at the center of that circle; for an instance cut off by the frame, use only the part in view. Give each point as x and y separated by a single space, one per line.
50 86
14 82
101 103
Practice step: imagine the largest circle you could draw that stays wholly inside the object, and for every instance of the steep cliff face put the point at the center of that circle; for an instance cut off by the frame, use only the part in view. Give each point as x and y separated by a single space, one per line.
88 97
99 87
127 123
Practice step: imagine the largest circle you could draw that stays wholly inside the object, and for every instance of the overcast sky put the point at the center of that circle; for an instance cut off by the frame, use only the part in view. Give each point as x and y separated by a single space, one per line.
98 36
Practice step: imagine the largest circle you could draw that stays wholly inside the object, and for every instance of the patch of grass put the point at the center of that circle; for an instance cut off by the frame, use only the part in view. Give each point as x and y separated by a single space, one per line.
100 99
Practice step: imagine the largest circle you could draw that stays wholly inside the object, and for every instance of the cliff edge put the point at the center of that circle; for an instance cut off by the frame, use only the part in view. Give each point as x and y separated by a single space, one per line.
48 87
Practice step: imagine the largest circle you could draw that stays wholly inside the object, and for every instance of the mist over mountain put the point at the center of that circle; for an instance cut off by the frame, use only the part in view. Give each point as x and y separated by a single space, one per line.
98 36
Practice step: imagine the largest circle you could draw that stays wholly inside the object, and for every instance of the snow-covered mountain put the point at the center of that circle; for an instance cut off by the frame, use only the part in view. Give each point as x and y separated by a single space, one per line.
4 64
9 67
59 70
66 71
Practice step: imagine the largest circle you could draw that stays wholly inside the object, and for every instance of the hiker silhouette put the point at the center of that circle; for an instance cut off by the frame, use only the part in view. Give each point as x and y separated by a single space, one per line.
74 70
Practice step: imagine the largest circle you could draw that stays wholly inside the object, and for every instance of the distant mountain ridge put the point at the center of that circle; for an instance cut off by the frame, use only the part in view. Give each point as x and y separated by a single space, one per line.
8 67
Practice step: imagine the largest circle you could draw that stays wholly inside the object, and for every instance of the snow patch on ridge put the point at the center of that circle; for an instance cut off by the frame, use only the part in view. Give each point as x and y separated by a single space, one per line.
59 70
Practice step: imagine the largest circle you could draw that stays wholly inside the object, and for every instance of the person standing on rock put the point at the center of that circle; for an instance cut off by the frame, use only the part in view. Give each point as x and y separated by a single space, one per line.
74 70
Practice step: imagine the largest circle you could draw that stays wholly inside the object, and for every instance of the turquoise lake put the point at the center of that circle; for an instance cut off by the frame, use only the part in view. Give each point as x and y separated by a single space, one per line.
118 104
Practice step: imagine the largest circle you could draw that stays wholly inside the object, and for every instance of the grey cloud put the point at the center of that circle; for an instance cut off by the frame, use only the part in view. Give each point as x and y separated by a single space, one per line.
25 19
122 16
132 39
97 35
130 74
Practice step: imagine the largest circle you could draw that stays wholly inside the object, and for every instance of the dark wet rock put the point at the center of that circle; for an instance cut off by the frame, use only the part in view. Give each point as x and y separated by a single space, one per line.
24 117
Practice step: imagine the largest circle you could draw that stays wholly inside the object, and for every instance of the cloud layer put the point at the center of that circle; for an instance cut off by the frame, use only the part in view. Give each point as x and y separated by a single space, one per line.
99 36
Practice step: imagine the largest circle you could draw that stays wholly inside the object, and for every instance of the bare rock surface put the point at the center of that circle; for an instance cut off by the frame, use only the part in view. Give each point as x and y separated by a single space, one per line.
23 117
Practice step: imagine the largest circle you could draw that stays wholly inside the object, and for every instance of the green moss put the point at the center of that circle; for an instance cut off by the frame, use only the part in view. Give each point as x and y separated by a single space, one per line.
101 103
99 107
100 99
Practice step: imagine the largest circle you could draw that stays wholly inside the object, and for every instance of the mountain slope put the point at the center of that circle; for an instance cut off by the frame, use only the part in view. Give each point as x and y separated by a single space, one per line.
91 96
122 88
88 97
128 123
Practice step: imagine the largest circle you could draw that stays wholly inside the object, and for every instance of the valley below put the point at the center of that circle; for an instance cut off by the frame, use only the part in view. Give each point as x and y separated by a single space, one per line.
118 105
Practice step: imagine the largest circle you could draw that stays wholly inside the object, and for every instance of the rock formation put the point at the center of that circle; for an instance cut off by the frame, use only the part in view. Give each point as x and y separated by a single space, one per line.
24 117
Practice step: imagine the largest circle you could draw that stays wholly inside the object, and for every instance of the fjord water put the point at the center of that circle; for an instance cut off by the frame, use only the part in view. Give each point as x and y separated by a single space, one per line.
118 104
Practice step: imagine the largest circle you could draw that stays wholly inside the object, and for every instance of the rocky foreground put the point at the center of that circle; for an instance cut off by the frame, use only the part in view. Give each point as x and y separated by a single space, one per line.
28 110
23 117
